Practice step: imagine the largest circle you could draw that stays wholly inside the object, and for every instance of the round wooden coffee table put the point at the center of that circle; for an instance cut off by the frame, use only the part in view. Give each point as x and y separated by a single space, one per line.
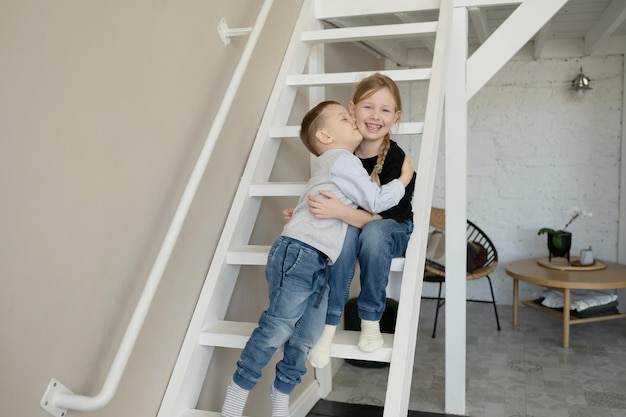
529 270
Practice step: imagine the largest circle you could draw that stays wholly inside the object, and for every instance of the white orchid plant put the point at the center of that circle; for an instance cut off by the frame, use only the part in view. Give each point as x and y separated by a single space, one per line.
573 214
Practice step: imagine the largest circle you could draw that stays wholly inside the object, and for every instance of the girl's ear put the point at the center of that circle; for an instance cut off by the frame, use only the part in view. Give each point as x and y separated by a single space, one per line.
352 108
397 116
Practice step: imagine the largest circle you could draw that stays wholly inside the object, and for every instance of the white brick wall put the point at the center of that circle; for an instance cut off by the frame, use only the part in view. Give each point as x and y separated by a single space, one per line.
536 150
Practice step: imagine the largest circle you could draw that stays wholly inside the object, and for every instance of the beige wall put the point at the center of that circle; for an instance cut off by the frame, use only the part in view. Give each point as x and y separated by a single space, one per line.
103 109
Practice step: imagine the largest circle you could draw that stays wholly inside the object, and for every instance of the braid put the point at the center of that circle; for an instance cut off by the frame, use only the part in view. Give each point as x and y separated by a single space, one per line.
380 162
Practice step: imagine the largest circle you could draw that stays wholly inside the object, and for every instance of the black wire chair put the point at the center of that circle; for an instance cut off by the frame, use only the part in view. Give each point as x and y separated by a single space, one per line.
436 274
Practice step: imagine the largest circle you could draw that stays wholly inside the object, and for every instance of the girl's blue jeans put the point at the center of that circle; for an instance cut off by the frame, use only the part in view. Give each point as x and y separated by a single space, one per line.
297 278
375 246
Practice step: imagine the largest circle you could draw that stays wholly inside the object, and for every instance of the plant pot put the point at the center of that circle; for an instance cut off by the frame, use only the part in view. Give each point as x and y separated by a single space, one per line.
559 245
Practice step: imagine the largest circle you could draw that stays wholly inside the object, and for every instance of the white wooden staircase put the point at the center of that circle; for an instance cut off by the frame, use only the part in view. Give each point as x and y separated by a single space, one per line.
208 330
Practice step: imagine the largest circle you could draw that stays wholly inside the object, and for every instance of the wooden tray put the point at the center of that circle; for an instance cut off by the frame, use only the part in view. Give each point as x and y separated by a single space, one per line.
561 264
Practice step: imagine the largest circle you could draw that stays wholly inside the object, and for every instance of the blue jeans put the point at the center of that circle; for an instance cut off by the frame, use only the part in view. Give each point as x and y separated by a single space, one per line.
297 278
375 246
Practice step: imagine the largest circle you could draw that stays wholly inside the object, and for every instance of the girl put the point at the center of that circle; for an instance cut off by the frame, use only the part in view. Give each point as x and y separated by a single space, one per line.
374 238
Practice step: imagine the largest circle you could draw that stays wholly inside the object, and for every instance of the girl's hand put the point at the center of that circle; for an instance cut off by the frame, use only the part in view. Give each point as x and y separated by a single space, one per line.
327 206
287 214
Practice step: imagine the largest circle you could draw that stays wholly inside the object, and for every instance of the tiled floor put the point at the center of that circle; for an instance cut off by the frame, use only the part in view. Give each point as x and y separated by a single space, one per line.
517 372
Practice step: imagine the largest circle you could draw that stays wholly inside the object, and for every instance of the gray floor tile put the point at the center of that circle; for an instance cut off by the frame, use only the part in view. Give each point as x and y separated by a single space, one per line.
517 372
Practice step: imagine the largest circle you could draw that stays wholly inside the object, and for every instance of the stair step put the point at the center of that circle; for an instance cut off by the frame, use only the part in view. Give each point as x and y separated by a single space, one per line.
200 413
369 32
233 334
344 347
285 132
415 128
330 9
248 255
228 334
344 78
277 189
257 255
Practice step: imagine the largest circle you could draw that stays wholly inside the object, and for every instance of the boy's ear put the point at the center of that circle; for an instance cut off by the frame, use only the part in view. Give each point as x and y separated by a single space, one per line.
323 137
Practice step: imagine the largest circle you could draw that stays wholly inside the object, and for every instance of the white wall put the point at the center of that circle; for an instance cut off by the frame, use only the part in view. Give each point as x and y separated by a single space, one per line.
536 150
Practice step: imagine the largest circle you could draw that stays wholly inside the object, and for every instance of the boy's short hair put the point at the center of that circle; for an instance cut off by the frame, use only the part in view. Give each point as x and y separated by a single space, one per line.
311 123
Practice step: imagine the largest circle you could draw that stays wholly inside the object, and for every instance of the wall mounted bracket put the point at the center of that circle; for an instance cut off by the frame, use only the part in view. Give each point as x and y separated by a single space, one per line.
47 401
226 33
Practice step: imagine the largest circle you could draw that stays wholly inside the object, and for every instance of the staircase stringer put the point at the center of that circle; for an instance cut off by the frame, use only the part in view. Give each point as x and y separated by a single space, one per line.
405 337
192 364
316 65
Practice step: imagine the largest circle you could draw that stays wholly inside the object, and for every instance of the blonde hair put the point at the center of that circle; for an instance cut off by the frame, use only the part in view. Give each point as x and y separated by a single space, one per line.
366 88
311 123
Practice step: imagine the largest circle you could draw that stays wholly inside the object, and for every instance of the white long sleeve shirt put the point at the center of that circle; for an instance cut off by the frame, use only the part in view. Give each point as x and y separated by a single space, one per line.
341 173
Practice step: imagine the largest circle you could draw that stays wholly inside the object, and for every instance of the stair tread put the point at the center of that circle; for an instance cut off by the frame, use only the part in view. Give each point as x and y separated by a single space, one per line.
200 413
345 346
369 32
329 9
344 78
257 255
234 334
277 189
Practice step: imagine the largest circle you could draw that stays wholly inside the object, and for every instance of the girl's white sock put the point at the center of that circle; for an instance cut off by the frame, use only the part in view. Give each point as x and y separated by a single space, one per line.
235 401
280 403
319 356
370 338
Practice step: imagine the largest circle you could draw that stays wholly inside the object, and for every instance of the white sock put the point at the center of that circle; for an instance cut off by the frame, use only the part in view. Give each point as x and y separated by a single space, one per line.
370 338
280 403
235 401
319 356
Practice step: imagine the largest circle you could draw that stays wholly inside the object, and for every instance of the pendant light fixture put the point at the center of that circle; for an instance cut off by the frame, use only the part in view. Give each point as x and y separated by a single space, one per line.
581 83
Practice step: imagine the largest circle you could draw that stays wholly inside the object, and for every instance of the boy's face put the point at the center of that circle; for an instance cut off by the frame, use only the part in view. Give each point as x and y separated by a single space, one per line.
339 128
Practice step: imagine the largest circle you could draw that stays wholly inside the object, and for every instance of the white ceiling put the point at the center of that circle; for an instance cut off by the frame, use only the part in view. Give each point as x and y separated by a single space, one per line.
590 22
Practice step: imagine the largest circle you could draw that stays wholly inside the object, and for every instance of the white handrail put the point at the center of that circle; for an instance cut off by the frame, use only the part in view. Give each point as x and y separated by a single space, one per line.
57 399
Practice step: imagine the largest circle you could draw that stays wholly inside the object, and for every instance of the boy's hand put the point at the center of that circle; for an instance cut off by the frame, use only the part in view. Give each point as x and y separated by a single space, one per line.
287 214
327 206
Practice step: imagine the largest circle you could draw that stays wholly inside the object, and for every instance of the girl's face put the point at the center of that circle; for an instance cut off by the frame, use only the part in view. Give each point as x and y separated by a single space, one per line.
375 114
340 126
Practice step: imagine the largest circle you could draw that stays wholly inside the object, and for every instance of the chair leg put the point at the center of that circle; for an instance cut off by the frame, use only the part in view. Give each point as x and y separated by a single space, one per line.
439 304
493 301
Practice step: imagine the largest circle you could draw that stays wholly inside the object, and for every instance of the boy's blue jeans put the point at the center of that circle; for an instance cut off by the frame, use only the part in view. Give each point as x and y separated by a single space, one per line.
375 246
296 277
